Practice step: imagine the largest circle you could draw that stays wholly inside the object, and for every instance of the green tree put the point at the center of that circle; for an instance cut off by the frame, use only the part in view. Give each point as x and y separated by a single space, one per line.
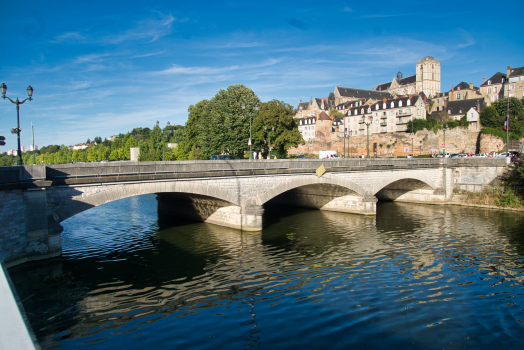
225 125
515 107
336 113
489 117
279 115
130 143
193 128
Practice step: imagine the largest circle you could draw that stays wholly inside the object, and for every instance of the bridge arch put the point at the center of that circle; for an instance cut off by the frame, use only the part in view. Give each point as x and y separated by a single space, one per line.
403 176
79 202
305 180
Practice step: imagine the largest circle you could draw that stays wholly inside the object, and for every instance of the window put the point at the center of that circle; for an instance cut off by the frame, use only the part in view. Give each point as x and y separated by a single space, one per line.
400 103
362 111
489 82
376 107
449 111
392 104
511 87
418 112
495 89
458 96
409 102
489 90
437 109
384 106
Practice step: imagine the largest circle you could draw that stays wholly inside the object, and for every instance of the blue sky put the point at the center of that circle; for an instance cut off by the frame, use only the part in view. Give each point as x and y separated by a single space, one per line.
100 68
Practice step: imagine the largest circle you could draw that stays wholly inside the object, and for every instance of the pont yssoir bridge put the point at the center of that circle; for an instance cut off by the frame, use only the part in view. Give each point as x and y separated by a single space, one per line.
36 198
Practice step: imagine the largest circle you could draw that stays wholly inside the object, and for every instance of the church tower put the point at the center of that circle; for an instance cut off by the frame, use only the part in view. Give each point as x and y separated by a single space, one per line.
428 76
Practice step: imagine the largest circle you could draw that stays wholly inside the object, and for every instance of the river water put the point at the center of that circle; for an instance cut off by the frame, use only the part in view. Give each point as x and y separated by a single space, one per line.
413 277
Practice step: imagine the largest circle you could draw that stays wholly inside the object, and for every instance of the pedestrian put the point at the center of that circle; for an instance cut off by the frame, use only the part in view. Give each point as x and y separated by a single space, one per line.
260 155
254 154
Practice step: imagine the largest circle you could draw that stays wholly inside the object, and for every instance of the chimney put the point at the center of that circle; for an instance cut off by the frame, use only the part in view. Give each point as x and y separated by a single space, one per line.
484 80
471 86
300 101
384 100
373 87
509 72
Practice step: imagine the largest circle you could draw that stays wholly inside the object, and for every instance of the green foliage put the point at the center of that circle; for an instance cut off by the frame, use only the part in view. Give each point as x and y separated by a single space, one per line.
489 117
421 124
278 115
224 125
6 160
336 113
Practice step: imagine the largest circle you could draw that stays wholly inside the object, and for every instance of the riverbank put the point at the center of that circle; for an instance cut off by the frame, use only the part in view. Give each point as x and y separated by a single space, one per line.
499 198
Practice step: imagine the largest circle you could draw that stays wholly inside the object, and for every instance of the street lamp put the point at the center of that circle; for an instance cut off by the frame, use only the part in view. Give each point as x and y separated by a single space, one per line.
3 89
507 120
250 143
367 125
269 136
444 128
163 143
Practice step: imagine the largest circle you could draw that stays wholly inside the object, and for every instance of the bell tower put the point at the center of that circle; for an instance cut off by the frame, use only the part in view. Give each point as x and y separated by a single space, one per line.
428 76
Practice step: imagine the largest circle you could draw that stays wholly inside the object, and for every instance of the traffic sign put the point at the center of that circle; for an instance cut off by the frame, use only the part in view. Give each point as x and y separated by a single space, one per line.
2 140
443 145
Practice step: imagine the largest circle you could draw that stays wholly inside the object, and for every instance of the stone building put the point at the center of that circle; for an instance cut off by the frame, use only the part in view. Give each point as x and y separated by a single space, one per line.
470 108
386 116
426 80
516 82
343 95
462 91
492 89
307 127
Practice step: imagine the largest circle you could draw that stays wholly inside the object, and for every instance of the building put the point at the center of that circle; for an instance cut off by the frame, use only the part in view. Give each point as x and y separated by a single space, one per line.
386 116
342 95
307 127
492 89
461 91
516 82
426 80
470 108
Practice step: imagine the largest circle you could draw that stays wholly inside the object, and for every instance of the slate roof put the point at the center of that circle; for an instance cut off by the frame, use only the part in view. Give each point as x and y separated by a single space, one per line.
404 81
362 93
496 79
464 105
515 72
383 87
304 105
408 80
380 103
464 86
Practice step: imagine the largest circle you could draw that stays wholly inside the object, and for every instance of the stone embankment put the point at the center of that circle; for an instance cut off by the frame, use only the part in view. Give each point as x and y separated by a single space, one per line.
458 140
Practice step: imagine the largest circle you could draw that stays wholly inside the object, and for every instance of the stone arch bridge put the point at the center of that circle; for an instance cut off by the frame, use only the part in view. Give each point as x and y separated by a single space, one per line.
35 199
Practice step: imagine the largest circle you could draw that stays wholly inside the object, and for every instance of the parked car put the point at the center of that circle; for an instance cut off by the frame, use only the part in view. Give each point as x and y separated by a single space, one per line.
223 157
302 157
443 155
454 155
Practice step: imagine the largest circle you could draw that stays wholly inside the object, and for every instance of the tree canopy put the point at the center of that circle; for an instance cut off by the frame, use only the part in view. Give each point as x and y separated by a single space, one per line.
278 115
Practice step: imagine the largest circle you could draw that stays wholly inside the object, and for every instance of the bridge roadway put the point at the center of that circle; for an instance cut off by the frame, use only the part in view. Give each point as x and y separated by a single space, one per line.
36 198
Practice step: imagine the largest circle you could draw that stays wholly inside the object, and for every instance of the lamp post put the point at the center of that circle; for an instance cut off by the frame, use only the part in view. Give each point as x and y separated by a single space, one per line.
507 120
163 146
3 89
345 130
367 125
444 144
269 136
250 143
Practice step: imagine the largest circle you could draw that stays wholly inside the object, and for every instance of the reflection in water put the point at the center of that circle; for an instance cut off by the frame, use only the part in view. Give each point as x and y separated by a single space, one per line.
414 276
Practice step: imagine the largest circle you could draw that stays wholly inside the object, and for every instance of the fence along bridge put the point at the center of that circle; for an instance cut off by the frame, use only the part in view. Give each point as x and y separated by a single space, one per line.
36 198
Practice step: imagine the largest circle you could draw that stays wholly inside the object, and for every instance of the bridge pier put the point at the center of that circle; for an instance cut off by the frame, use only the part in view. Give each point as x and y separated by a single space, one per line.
211 210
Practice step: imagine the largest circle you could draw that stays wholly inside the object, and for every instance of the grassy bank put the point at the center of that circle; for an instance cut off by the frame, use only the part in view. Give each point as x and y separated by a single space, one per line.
498 197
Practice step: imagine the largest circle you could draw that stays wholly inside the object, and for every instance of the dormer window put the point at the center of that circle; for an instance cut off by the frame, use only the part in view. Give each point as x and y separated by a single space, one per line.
409 102
376 107
369 110
458 87
384 105
400 103
362 111
392 104
489 82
